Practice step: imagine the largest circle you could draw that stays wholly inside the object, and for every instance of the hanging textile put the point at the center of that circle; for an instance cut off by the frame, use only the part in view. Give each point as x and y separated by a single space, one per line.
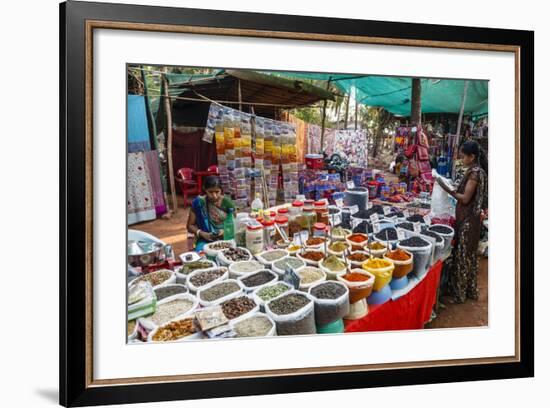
153 168
141 206
351 145
138 130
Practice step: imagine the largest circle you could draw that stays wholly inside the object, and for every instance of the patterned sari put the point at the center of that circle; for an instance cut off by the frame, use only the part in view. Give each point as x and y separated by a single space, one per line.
463 273
210 218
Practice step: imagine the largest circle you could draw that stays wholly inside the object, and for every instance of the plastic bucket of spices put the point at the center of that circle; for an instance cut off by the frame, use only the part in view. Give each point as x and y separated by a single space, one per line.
217 292
259 279
270 291
255 325
402 260
293 313
382 270
421 251
204 277
359 283
279 265
331 301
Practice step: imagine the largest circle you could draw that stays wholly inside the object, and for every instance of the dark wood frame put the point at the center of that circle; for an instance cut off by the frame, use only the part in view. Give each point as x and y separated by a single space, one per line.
77 21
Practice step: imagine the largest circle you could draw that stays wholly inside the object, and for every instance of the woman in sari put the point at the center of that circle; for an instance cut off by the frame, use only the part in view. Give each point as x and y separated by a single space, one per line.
471 200
208 213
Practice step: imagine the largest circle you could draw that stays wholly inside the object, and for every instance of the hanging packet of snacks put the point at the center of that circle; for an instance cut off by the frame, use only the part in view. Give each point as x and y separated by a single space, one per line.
275 163
268 146
214 115
289 162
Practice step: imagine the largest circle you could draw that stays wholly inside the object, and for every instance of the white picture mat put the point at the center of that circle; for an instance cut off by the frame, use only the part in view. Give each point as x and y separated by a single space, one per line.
114 359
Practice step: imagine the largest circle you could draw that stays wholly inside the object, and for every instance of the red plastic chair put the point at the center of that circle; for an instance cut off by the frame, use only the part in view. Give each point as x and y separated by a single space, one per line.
212 169
188 185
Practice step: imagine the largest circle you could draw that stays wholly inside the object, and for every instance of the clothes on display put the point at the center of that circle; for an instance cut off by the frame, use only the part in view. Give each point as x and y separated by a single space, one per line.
141 203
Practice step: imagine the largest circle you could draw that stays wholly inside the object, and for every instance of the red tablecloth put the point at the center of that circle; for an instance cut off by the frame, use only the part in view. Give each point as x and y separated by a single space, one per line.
410 311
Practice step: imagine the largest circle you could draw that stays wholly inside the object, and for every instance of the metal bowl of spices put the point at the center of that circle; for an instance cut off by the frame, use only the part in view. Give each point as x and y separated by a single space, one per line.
142 253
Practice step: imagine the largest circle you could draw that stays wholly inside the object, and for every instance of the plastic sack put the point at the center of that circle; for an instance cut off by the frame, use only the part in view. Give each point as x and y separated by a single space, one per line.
361 289
401 268
259 301
270 333
301 321
382 276
186 296
447 237
330 310
422 257
245 315
248 289
441 203
235 272
206 303
194 289
182 277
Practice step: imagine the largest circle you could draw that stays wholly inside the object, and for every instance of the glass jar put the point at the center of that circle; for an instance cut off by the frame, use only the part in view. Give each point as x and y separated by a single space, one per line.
321 211
254 238
269 233
294 218
282 223
283 211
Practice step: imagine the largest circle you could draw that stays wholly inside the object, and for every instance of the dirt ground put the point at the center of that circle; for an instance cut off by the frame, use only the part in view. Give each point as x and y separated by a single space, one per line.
470 314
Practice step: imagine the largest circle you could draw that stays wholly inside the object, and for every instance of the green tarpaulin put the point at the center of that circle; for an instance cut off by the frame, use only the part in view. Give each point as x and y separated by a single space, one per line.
394 93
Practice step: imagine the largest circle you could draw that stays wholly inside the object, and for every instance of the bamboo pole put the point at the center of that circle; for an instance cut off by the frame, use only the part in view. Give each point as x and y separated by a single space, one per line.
169 141
356 111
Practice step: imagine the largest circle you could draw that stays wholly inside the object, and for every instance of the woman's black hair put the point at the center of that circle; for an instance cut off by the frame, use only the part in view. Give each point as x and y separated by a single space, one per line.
212 182
473 147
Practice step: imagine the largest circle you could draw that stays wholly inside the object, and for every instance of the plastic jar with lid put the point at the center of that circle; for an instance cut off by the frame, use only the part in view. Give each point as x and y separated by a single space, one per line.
283 211
255 238
319 229
309 217
282 223
241 221
269 233
294 218
321 211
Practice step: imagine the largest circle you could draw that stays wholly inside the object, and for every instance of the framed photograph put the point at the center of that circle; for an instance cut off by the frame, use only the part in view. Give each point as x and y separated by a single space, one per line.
259 204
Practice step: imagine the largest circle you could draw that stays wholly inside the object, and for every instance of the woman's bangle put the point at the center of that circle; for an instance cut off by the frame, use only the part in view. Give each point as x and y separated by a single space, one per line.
198 233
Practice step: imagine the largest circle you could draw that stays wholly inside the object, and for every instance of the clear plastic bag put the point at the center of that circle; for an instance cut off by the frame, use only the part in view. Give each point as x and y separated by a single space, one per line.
301 321
330 310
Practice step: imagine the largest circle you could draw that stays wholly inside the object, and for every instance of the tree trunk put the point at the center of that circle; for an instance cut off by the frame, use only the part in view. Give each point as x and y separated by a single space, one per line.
347 113
416 102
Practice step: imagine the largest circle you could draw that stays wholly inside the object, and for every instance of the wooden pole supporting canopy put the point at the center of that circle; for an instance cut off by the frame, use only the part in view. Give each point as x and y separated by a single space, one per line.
169 141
